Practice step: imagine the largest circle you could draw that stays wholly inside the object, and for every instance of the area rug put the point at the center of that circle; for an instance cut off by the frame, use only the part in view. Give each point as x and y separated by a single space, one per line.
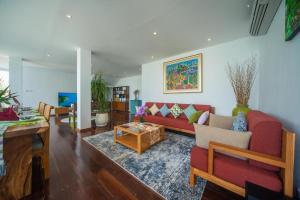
164 167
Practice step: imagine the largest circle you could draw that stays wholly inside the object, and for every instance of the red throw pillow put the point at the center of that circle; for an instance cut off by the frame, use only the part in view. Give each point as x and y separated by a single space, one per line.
8 115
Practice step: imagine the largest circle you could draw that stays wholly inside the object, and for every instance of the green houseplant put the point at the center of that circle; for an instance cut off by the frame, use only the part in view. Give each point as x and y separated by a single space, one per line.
99 96
242 79
6 96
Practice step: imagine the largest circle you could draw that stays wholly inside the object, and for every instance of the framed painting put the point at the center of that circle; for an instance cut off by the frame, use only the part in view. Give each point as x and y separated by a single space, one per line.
292 18
183 75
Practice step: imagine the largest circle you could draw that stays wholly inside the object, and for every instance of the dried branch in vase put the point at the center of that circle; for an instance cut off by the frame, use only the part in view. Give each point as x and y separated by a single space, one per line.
242 79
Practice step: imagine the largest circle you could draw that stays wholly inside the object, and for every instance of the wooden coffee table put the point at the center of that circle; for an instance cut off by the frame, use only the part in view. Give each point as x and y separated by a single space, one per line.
139 136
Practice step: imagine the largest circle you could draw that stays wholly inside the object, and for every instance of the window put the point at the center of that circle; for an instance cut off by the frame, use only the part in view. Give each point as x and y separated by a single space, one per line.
4 79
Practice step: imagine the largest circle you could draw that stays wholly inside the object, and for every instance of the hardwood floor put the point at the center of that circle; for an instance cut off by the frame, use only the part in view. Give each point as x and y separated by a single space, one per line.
79 172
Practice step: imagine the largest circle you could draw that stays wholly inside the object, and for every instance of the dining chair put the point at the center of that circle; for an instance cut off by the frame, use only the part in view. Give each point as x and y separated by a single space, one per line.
40 142
47 112
73 115
41 108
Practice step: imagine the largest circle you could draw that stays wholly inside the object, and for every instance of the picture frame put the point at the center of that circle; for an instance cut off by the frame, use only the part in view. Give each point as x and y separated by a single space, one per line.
183 75
292 19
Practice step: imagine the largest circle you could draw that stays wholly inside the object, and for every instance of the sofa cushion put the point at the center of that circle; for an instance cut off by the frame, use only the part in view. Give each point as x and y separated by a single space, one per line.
154 109
235 170
203 117
219 121
266 136
176 110
171 122
205 134
197 107
189 111
164 110
194 117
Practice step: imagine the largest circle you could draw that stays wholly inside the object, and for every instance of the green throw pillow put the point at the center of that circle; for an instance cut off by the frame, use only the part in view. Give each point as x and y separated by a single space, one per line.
195 116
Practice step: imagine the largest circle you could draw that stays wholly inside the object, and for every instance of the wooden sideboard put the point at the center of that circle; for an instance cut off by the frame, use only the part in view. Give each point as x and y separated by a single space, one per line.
120 106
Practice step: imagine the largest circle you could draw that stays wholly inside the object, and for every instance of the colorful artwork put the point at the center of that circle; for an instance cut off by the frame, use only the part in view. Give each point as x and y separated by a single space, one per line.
183 75
292 18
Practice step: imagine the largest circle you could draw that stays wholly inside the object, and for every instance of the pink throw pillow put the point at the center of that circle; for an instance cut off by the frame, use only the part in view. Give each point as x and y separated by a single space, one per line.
203 118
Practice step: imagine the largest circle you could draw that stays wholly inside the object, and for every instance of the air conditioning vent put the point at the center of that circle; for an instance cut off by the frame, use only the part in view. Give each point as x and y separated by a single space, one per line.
263 12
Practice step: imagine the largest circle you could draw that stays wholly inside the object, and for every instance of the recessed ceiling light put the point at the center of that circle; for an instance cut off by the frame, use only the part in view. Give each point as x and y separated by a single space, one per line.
152 57
49 55
248 5
209 39
68 16
154 33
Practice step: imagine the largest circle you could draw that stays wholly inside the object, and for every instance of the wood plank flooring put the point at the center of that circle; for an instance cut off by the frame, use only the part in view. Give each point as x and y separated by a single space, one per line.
79 172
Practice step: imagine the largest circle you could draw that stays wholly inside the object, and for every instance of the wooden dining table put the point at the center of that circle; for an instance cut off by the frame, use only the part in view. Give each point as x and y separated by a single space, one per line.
18 154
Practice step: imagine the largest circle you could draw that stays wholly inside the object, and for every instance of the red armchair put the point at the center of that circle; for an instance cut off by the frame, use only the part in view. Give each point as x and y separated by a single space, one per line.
270 159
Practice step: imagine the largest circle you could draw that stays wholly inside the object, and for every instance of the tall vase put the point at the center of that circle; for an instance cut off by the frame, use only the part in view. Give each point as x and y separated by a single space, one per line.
240 108
141 119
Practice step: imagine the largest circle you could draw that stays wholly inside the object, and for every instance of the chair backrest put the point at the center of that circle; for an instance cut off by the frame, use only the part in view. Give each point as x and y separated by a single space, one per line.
47 112
266 136
41 108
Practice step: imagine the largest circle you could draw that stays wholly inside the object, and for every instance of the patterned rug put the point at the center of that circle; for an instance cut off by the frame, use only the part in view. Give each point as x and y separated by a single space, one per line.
164 167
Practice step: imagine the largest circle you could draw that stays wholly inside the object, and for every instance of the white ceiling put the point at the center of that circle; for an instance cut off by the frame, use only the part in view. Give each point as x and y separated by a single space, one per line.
119 32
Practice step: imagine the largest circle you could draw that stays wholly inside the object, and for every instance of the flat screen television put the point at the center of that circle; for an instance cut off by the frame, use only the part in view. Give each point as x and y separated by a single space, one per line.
65 99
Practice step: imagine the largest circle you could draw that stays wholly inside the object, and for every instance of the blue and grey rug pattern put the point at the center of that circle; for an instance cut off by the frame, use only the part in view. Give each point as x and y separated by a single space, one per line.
164 167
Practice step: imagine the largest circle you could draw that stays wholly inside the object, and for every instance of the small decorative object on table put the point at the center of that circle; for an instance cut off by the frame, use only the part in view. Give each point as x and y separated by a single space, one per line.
242 80
142 111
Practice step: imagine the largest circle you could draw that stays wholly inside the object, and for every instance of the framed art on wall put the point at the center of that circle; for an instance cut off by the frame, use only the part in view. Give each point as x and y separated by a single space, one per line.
292 18
183 75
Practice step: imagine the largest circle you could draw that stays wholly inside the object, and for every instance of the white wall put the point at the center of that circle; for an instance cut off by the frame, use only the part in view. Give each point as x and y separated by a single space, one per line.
217 90
279 78
43 84
134 83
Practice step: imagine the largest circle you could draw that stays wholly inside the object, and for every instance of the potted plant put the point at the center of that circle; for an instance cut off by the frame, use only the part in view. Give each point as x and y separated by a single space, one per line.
6 96
99 96
242 79
141 112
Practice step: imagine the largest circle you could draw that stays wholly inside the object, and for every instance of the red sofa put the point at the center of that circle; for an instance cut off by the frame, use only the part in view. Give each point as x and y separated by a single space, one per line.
267 134
178 124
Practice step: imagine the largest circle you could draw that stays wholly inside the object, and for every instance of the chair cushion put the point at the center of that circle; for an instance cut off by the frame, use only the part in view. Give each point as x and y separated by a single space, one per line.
219 121
240 123
266 136
37 142
205 134
235 170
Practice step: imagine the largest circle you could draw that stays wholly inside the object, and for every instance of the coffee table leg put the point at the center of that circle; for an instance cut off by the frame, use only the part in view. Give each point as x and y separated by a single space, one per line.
115 135
162 133
139 145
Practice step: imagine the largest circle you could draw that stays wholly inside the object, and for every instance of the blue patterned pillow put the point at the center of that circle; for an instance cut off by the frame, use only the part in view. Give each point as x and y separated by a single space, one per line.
189 111
164 110
240 123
